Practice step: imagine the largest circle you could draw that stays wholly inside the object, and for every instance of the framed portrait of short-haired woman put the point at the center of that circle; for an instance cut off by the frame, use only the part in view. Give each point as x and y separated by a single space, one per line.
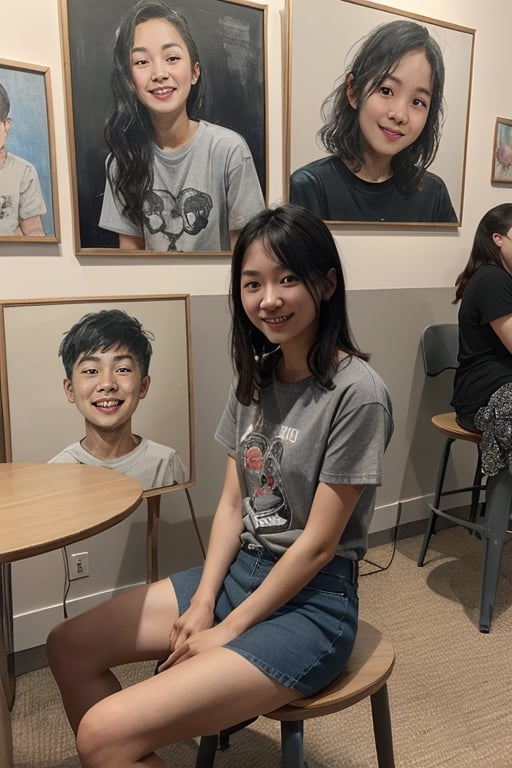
229 36
376 127
28 179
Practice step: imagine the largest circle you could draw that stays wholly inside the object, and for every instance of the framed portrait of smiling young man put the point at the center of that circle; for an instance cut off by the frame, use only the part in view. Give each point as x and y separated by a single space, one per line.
39 418
143 184
377 124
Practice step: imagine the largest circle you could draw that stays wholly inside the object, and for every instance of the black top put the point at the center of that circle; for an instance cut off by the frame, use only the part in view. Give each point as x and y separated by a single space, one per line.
326 187
485 364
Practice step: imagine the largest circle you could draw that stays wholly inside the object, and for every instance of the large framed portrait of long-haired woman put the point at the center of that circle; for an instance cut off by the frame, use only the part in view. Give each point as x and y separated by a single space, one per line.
178 211
377 124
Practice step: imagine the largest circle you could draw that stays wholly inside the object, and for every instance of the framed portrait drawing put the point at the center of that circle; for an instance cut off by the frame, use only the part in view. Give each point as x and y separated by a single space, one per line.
501 172
230 37
28 181
38 421
340 29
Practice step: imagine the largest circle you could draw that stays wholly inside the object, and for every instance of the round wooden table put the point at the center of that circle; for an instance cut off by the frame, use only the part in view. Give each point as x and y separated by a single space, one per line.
44 507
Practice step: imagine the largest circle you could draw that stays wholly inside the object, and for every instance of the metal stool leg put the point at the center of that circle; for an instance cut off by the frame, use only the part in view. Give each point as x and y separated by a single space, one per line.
292 744
496 525
431 525
206 752
220 741
382 728
477 489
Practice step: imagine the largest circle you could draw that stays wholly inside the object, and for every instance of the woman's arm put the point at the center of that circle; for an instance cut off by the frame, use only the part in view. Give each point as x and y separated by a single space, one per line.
223 546
131 243
224 541
502 327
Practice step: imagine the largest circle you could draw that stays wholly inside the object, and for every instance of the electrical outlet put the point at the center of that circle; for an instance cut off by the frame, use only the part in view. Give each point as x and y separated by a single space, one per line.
78 565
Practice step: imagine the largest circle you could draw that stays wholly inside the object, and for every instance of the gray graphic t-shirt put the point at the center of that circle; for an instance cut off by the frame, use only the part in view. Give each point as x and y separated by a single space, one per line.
301 434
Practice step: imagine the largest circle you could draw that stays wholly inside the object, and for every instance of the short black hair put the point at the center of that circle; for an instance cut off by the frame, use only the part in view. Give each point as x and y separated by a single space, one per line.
104 330
5 104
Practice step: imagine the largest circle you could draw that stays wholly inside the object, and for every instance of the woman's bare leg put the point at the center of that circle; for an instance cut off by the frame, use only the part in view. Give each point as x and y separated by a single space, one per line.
133 626
199 696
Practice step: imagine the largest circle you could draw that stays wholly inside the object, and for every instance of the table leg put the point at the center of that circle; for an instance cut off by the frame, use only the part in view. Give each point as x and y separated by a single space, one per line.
153 503
7 671
6 690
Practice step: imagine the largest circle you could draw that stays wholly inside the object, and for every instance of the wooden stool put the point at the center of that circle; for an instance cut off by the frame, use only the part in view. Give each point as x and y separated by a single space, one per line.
366 674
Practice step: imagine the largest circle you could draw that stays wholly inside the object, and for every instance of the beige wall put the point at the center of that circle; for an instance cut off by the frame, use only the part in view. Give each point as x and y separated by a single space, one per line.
399 282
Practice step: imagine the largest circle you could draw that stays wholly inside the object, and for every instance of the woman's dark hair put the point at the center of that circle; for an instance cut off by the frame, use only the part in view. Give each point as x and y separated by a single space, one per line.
104 330
376 58
484 250
300 241
129 131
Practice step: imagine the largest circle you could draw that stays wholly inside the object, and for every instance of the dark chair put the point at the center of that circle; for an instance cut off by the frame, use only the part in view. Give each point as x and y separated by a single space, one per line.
440 344
366 674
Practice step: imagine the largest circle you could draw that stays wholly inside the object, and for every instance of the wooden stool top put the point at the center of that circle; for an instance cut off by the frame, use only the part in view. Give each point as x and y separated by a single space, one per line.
367 670
446 423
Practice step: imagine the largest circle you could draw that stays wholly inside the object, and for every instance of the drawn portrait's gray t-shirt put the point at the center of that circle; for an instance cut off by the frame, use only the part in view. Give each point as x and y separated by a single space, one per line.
200 193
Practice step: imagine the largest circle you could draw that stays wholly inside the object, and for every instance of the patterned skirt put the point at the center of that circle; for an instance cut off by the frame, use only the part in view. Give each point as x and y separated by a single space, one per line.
494 421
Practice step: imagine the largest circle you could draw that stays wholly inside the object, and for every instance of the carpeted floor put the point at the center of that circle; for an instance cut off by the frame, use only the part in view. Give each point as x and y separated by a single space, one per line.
450 692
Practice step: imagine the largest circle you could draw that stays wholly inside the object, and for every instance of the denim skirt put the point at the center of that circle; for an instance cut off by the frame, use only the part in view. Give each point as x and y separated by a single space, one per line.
306 643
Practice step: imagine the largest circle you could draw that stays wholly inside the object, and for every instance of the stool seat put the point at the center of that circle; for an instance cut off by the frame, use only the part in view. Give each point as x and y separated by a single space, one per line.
365 674
368 668
446 423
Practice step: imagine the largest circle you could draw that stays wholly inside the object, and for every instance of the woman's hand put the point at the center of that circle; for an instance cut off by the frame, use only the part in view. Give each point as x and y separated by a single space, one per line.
197 643
196 618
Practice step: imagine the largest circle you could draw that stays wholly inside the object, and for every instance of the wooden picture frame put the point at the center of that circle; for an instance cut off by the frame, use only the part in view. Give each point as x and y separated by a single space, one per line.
230 35
501 171
336 27
38 422
29 209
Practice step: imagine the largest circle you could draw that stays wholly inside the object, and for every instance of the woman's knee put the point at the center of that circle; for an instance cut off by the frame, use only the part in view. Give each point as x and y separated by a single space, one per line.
63 644
56 644
93 737
103 738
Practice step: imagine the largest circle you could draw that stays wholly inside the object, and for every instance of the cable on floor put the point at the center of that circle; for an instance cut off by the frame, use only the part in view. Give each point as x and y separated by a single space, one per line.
67 581
377 568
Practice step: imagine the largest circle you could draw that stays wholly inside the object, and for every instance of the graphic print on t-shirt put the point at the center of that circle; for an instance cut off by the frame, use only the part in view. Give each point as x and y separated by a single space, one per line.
266 504
171 216
5 206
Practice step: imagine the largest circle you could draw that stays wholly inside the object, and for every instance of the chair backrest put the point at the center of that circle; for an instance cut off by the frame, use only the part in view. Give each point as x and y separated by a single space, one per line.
440 344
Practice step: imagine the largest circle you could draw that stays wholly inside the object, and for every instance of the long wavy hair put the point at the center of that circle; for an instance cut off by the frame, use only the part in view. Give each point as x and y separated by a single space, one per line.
378 55
297 239
128 130
484 250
